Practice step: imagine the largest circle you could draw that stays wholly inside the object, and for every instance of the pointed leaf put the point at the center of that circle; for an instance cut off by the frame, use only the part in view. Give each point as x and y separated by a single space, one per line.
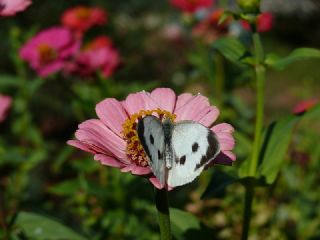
186 226
298 54
231 48
38 227
274 148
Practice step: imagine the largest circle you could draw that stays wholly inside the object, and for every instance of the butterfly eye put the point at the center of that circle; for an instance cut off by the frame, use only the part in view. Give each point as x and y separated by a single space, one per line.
195 147
151 139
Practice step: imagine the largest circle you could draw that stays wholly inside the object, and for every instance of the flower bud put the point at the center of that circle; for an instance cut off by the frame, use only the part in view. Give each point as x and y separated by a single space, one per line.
249 6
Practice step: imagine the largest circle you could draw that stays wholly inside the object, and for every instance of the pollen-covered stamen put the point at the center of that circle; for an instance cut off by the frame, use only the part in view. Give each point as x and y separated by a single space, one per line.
134 149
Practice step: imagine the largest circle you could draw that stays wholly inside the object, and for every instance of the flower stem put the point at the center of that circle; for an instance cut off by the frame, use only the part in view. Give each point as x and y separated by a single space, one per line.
253 164
163 213
260 81
219 79
247 211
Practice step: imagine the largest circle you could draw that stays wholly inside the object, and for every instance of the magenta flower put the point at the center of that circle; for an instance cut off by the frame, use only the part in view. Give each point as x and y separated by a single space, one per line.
11 7
98 55
48 50
113 139
5 103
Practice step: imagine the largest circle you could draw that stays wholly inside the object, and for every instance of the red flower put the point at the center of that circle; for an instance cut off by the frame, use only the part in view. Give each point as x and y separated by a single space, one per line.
81 18
97 55
264 22
190 6
210 29
304 106
11 7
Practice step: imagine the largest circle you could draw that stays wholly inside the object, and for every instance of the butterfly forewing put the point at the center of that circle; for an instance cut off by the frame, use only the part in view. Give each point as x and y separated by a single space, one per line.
151 136
193 146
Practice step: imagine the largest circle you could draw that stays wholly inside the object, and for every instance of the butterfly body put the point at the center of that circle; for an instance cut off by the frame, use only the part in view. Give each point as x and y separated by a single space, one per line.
177 152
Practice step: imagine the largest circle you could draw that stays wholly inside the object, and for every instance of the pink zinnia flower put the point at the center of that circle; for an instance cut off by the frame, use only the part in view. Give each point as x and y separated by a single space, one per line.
113 139
47 51
99 54
191 6
5 103
11 7
264 22
82 18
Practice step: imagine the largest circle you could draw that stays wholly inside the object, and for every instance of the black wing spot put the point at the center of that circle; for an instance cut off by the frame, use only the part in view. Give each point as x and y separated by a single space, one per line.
160 155
195 147
151 139
182 160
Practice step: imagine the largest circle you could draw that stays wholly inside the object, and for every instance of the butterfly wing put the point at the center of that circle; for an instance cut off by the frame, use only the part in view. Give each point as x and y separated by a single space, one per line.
151 136
194 146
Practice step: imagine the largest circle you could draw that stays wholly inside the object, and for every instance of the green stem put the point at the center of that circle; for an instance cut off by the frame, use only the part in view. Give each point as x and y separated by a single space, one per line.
260 81
247 211
161 200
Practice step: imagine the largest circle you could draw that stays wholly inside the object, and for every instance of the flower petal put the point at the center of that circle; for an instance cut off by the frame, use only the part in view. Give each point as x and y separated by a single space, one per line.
192 109
224 158
165 97
182 99
137 170
80 145
208 116
155 182
95 132
112 114
107 160
139 101
222 127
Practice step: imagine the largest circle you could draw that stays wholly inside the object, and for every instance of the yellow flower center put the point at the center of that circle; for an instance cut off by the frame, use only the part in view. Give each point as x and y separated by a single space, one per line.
46 53
134 149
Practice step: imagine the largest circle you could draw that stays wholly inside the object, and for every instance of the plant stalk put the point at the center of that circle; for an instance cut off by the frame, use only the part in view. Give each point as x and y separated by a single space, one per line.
260 81
247 211
162 206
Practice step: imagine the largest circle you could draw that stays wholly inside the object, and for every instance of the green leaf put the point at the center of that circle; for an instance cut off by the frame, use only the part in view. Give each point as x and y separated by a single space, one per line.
186 226
232 49
298 54
219 181
66 188
274 148
38 227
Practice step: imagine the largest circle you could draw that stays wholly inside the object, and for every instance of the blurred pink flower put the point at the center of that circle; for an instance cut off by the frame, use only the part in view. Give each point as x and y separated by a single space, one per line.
47 51
82 18
264 22
11 7
304 106
209 29
113 140
191 6
99 54
5 103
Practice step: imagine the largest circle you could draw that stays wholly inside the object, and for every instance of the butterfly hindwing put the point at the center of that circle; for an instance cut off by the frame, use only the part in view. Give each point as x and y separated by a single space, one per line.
193 146
151 135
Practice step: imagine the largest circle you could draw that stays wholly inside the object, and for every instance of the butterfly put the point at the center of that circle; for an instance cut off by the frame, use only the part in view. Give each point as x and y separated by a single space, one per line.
177 152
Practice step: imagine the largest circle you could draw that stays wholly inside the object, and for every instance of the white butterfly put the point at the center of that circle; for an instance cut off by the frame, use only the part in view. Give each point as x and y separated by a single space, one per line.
177 152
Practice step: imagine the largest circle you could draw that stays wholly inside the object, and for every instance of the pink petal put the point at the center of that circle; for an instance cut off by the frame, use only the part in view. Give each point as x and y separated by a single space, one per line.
80 145
127 168
165 97
139 101
155 182
192 109
208 116
223 127
137 170
182 99
112 114
95 131
107 160
226 141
